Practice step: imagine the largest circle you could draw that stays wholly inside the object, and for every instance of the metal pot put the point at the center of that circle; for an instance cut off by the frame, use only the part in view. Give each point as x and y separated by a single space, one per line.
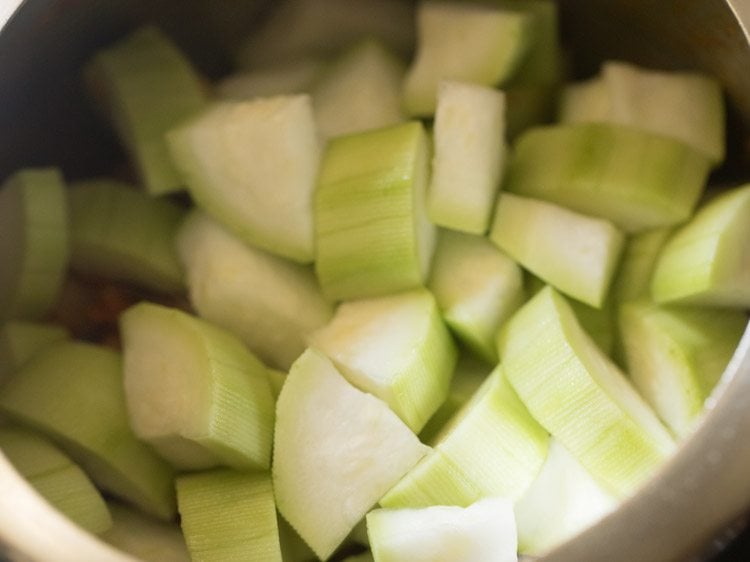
44 120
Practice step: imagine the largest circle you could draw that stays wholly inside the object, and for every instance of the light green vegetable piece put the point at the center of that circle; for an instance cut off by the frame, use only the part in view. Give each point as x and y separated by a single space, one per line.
228 515
34 245
21 340
194 391
580 396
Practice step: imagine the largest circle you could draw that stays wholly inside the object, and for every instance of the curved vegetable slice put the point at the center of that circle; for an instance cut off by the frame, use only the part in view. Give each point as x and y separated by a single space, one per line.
470 42
146 86
34 246
337 450
396 348
676 355
56 478
477 287
20 341
371 229
562 501
580 396
491 447
252 165
705 261
482 532
73 393
194 391
633 178
469 156
576 253
270 303
360 90
228 515
121 233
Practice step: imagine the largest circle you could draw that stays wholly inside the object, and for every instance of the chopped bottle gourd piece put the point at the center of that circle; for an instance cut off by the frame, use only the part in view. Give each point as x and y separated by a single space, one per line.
575 391
561 502
337 450
293 77
360 90
146 86
120 233
633 279
468 376
477 287
482 532
469 156
270 303
57 478
462 41
633 178
687 106
396 348
491 447
705 261
20 340
575 253
34 245
148 539
228 515
252 166
372 232
675 355
73 393
325 27
194 392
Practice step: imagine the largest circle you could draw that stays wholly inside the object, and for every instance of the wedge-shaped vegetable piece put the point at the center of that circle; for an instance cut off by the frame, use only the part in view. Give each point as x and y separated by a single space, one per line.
476 43
599 323
364 557
337 450
228 515
21 340
300 28
360 90
57 478
396 348
705 261
73 393
687 106
576 253
580 396
468 376
121 233
372 232
469 156
270 303
482 532
636 179
145 538
194 391
293 548
676 355
34 248
633 279
477 288
562 501
146 86
252 165
491 447
276 379
292 77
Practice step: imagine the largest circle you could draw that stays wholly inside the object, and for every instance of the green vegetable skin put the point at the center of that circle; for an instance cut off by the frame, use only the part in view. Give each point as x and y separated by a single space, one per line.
342 280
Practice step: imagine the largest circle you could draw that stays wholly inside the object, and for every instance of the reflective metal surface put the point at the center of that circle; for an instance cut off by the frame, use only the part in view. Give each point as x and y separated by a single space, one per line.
45 120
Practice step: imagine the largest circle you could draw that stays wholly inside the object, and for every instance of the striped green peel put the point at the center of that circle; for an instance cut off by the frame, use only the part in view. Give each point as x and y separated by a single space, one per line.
228 515
194 391
580 396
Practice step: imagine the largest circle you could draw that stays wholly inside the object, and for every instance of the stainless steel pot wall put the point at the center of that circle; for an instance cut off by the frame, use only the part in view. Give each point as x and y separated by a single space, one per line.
44 120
